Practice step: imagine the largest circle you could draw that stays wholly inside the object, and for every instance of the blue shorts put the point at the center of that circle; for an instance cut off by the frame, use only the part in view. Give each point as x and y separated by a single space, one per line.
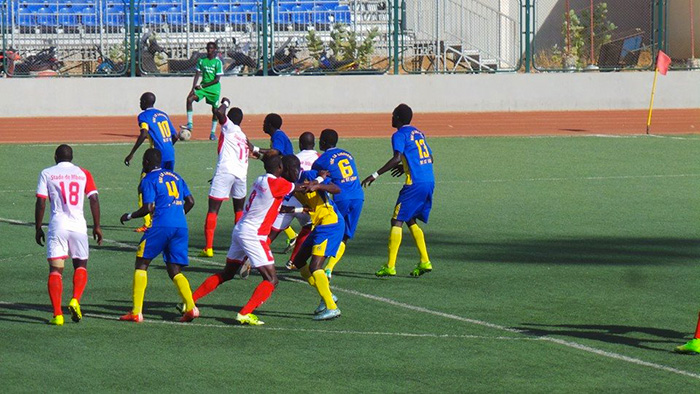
325 239
414 202
350 209
171 241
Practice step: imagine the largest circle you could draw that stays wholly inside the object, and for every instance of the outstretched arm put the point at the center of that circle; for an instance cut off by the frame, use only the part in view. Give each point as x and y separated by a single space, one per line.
142 137
324 187
141 212
39 209
95 209
391 164
220 112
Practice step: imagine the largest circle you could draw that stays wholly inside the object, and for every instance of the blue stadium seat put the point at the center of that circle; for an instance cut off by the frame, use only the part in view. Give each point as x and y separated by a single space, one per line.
25 18
46 17
320 17
199 15
67 17
150 16
342 15
114 15
217 16
175 16
238 16
88 18
300 17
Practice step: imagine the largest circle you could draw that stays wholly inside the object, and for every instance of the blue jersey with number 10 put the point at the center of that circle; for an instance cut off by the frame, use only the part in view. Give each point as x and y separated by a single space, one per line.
343 172
160 131
416 155
167 190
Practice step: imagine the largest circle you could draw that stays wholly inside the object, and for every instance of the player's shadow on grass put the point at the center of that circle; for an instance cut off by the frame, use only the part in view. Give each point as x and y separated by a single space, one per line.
12 313
616 334
116 308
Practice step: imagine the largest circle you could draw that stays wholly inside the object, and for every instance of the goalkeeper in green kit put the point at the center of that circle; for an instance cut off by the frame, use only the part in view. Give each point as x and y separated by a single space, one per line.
211 69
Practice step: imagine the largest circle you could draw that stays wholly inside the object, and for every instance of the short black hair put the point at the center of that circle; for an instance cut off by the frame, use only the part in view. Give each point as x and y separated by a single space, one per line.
274 120
212 43
148 98
306 140
329 137
403 113
64 153
153 156
236 115
272 163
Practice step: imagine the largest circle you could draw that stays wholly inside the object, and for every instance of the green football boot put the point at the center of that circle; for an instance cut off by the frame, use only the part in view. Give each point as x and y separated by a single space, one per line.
422 268
385 271
691 347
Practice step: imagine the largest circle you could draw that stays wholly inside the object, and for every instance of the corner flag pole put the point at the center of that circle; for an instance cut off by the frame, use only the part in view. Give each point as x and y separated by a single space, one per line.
651 104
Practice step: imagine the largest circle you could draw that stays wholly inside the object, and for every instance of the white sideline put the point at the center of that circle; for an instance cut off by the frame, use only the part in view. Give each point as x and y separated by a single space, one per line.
570 344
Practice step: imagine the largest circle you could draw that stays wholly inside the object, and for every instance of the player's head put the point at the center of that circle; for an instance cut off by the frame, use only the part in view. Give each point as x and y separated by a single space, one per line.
148 99
329 139
291 165
63 153
236 115
273 165
306 141
401 116
211 49
272 123
151 159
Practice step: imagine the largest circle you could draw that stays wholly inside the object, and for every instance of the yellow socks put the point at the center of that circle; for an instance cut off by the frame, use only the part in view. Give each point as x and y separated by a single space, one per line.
306 274
183 287
324 289
334 260
140 282
290 233
420 242
394 243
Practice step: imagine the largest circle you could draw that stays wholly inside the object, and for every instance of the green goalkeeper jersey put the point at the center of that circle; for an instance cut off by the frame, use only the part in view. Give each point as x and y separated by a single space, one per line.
210 68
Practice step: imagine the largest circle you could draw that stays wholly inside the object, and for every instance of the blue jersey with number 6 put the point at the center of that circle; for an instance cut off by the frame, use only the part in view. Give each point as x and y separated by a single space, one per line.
343 172
168 191
160 132
416 155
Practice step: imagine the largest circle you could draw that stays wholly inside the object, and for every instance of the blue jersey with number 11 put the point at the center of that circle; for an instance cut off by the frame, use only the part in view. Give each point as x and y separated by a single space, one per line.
160 131
416 155
167 190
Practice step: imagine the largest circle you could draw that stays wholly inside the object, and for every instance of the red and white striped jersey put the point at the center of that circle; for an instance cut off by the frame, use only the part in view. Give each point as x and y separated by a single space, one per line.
263 205
66 186
307 158
233 151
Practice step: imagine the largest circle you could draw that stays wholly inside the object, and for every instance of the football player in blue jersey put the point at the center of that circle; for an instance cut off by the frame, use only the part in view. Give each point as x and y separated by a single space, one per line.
342 171
413 157
167 197
157 127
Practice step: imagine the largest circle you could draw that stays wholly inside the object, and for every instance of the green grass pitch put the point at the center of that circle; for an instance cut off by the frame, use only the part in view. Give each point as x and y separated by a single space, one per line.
560 265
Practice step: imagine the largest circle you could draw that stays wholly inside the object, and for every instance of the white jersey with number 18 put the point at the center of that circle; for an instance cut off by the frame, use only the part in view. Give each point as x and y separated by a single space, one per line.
66 186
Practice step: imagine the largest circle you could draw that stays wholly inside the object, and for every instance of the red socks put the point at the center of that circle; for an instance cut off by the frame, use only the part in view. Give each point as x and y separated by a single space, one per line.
208 286
697 328
209 227
55 291
80 277
305 231
260 295
238 216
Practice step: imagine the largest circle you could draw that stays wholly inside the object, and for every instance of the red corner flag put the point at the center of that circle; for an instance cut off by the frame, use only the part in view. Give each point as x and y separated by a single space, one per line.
662 62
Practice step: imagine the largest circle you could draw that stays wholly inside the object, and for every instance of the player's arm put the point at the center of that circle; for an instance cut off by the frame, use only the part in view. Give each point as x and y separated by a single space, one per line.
324 187
39 209
212 82
189 203
139 213
391 164
195 86
220 112
291 209
139 140
95 210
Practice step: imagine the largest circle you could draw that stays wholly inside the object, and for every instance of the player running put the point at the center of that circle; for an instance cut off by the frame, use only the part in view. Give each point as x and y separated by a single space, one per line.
342 171
211 69
167 197
324 241
231 171
249 239
66 186
307 156
412 156
157 127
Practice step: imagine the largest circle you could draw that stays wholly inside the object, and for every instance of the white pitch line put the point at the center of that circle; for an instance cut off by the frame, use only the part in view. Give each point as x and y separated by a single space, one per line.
569 344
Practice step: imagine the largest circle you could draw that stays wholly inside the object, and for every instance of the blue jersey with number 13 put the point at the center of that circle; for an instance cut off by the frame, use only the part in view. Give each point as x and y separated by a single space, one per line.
416 155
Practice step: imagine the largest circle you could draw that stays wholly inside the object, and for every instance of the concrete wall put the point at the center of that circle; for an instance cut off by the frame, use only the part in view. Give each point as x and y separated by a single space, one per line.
357 94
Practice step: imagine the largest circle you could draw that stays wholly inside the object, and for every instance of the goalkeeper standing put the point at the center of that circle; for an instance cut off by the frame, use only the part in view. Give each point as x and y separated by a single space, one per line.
211 69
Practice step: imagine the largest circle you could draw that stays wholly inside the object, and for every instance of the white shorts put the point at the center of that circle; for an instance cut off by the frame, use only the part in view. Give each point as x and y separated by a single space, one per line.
224 186
61 244
253 246
283 220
